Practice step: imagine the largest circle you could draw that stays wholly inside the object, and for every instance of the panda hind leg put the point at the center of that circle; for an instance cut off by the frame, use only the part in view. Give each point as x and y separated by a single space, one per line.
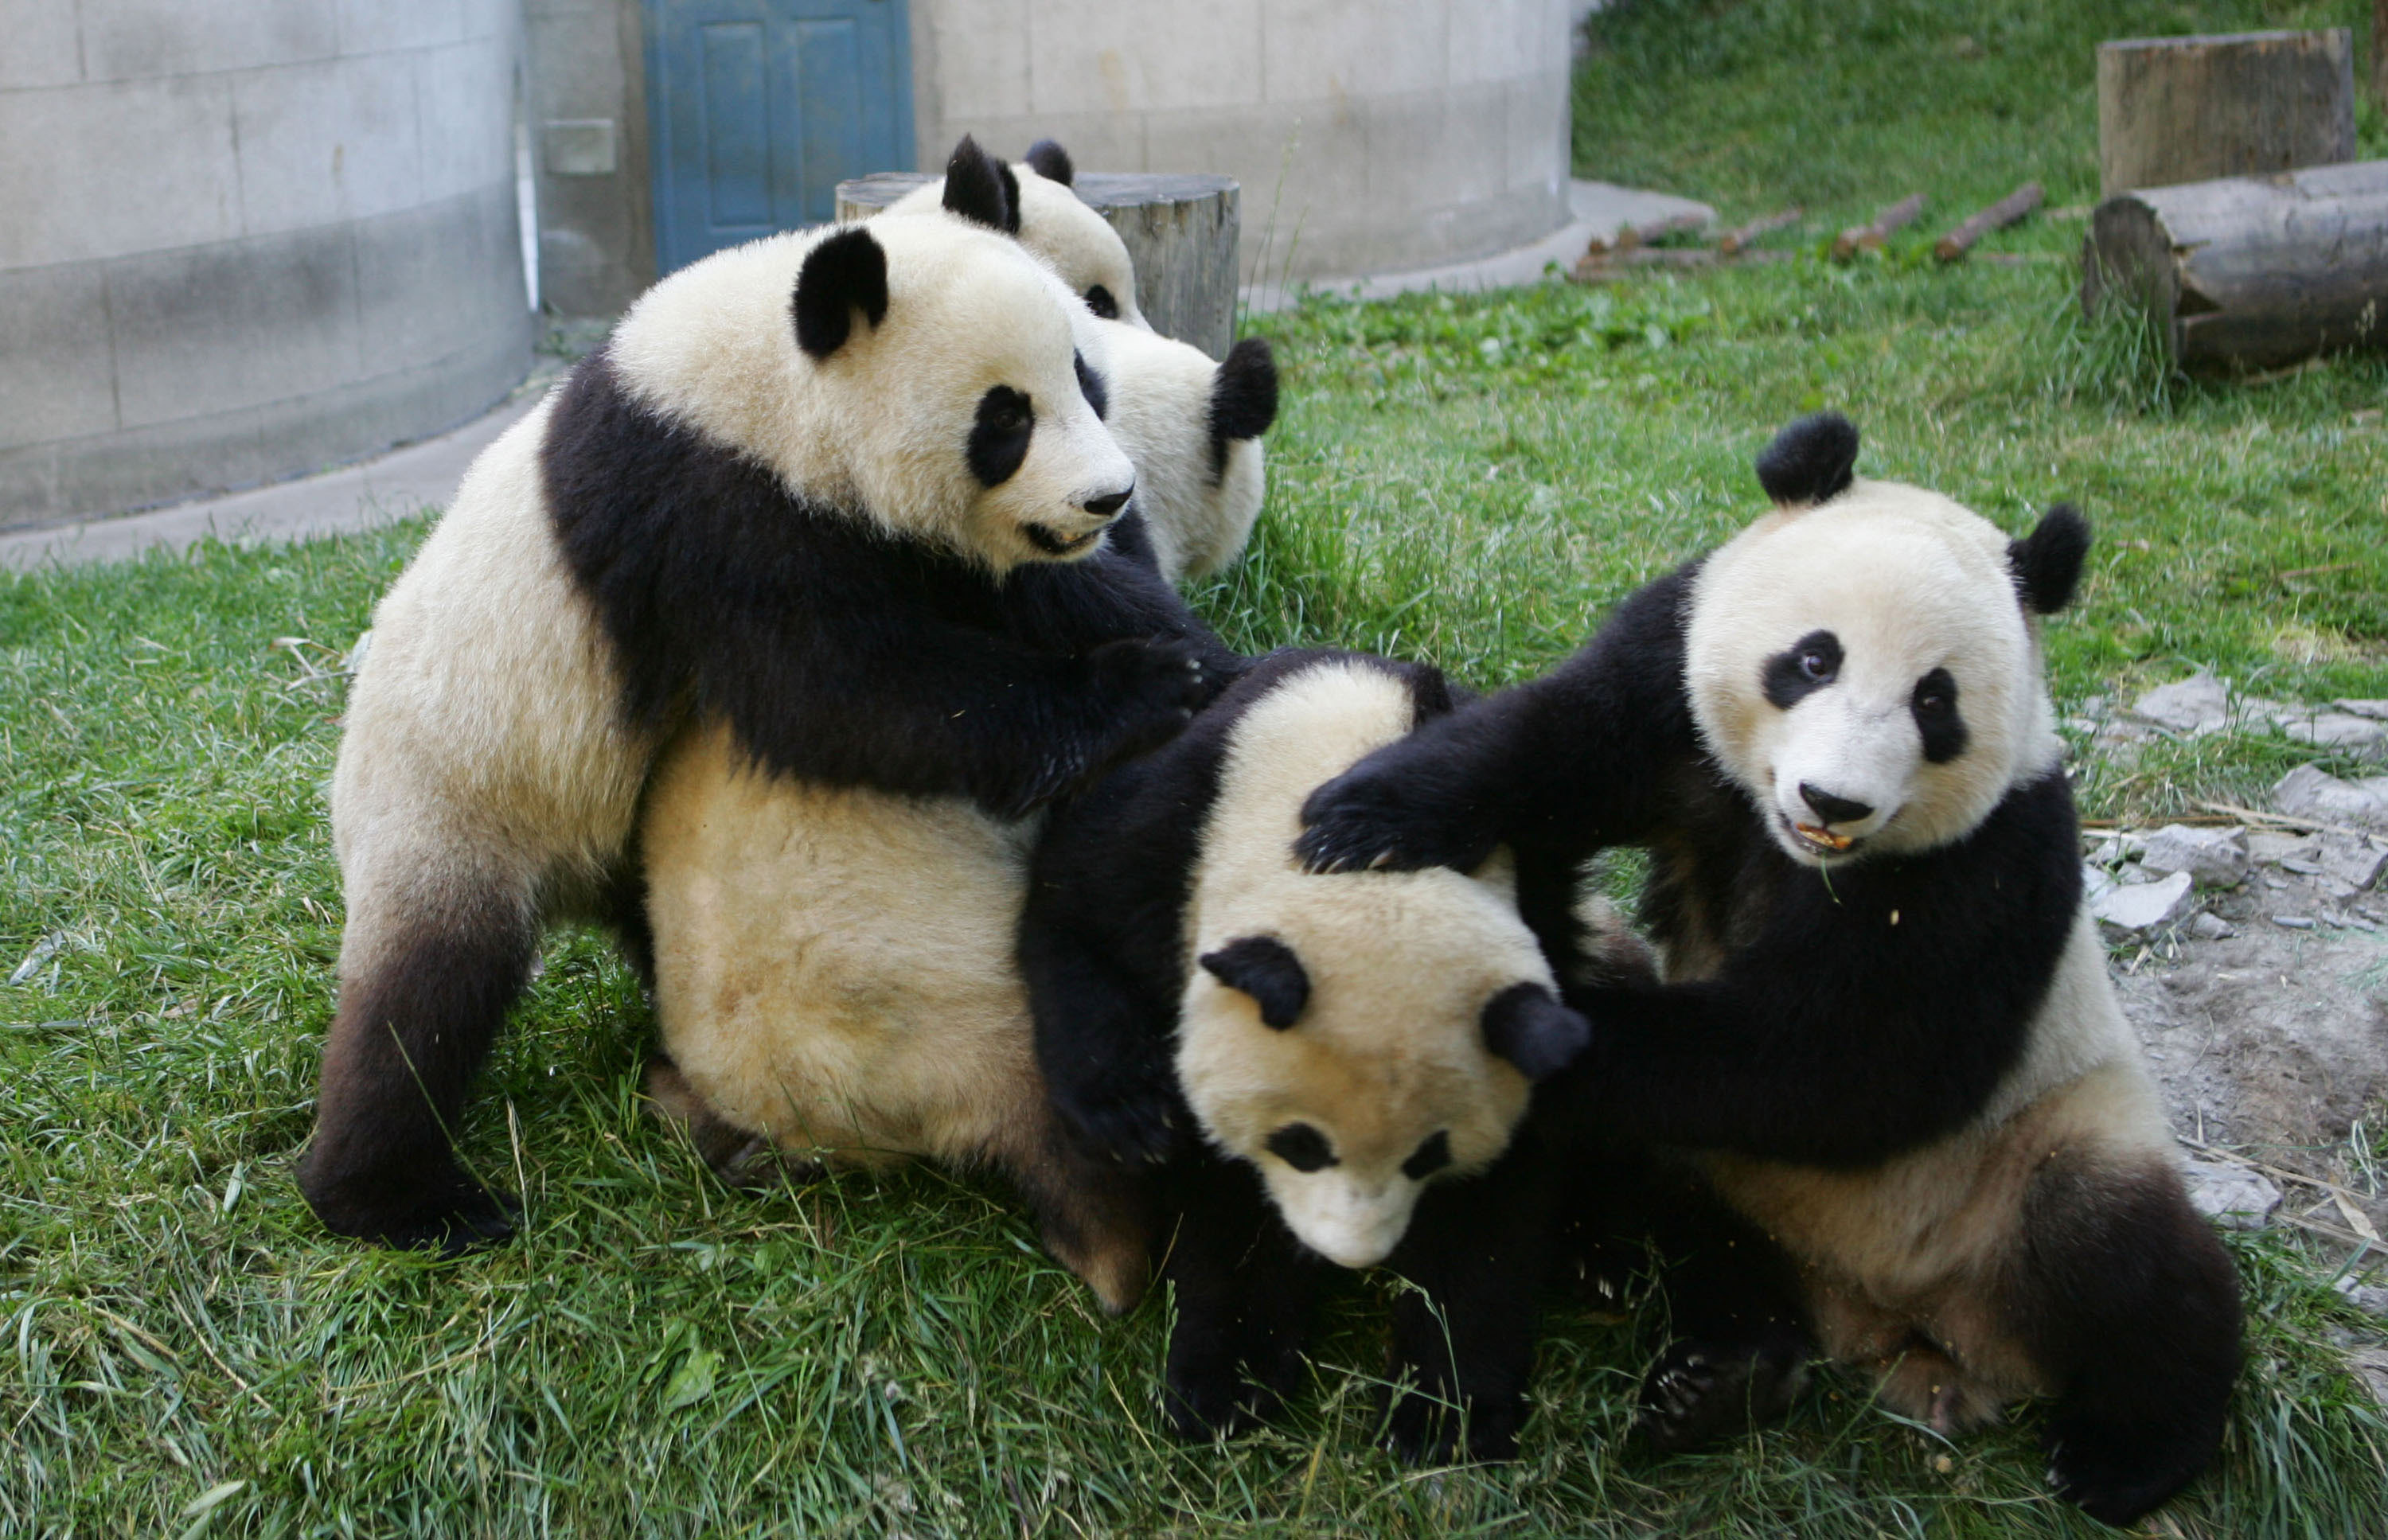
1243 1290
1739 1320
1096 1216
428 971
2128 1309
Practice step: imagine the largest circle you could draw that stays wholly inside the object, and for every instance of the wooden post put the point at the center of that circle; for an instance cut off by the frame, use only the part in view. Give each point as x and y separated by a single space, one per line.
2178 109
2250 272
1180 232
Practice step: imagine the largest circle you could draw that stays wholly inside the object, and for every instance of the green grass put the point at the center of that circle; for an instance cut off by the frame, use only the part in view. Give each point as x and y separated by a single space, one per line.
1472 481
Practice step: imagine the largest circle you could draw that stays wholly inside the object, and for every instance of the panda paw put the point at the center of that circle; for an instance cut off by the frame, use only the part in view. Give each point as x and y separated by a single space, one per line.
1158 683
1426 1429
2114 1479
1378 816
1215 1403
1119 1115
1698 1393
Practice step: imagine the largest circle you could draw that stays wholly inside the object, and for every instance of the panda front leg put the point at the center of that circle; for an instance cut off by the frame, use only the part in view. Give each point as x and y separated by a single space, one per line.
432 957
1243 1290
2129 1309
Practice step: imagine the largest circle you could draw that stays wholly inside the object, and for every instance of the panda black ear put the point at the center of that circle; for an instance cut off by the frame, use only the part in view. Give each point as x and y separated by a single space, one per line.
2047 563
1243 398
980 187
845 274
1266 969
1429 693
1811 461
1526 1025
1050 161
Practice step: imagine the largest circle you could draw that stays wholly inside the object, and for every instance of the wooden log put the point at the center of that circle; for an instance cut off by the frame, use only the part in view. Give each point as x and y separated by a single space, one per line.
1871 237
1952 247
1734 241
2176 109
2249 272
1180 231
1630 237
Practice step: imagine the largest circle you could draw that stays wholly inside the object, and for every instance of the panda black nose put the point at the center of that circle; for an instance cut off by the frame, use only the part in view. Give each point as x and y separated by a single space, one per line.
1831 809
1108 504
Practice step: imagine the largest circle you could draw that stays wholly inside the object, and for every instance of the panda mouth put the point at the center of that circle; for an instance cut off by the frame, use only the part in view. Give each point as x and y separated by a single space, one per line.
1818 839
1051 544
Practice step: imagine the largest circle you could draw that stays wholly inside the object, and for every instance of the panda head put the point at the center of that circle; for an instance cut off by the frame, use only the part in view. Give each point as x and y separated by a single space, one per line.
1382 1032
1048 217
1864 660
925 369
1192 426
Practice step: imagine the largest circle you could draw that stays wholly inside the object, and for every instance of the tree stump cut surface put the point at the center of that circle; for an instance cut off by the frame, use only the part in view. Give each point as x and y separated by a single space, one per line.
2182 109
1180 231
2250 272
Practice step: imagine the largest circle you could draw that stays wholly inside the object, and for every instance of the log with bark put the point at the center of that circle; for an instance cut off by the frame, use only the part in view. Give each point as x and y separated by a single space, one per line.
2249 272
1871 237
1998 216
1734 241
2176 109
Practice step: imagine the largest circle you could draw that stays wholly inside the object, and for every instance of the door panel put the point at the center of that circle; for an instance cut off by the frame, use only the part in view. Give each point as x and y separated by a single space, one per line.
758 108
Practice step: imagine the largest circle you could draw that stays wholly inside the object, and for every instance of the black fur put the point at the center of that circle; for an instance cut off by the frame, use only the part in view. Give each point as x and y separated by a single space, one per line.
1431 1156
1303 1147
981 188
843 274
1099 300
1101 949
1938 719
1811 461
1050 161
1526 1026
1266 969
999 438
1802 669
1243 398
2047 563
1091 386
844 655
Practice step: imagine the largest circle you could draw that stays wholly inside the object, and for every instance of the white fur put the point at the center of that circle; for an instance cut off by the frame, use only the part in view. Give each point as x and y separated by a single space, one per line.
1909 581
1160 412
1391 1048
1064 228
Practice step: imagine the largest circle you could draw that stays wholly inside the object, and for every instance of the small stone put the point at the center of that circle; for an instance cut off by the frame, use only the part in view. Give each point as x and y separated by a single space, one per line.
2364 1297
2211 927
2334 729
2231 1197
2356 863
2293 922
2308 791
2303 868
2270 845
2140 906
2213 857
2195 707
2376 710
2115 848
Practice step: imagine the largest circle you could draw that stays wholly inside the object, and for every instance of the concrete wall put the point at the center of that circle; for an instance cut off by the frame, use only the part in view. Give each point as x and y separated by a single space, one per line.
242 239
586 83
1391 133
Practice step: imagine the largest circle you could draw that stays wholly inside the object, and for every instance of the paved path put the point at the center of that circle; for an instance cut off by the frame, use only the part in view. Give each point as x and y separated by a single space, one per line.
404 482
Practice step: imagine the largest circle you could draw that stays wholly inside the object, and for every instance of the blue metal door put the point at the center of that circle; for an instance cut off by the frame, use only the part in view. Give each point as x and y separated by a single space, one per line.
758 108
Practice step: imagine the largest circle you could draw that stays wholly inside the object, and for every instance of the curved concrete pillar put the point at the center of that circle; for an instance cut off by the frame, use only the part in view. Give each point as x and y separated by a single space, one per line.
244 239
1370 136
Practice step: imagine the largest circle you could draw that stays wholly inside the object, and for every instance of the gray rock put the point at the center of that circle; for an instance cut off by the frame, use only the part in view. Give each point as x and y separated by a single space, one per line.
2273 847
2294 922
2364 1297
2137 906
2334 729
2376 710
2195 706
2231 1197
2308 791
2114 848
2356 863
2211 927
2213 857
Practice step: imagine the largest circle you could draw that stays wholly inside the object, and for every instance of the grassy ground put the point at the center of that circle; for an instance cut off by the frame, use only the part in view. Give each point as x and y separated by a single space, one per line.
1471 481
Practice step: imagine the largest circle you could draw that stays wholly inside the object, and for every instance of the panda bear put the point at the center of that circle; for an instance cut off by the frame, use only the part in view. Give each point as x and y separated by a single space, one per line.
1317 1069
1884 1027
1192 429
1057 225
845 490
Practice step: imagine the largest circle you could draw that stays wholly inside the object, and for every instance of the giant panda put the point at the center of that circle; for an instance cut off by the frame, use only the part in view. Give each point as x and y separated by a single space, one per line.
1317 1069
1884 1027
1192 428
1057 225
843 491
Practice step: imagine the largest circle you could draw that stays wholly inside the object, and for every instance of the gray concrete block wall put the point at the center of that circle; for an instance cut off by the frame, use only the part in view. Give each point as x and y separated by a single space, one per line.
1369 135
586 85
244 239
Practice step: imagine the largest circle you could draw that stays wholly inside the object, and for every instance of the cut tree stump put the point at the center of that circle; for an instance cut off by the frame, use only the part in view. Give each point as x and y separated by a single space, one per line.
2177 109
1998 216
1180 230
2250 272
1871 237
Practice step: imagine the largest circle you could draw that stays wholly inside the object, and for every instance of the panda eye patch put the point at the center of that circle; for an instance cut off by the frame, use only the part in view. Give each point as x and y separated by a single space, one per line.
1937 719
1090 385
998 440
1099 300
1801 669
1431 1156
1303 1147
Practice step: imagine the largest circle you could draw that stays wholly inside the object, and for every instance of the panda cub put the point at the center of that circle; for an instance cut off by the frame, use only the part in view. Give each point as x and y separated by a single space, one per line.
1057 225
1884 1023
843 491
1192 428
1349 1050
